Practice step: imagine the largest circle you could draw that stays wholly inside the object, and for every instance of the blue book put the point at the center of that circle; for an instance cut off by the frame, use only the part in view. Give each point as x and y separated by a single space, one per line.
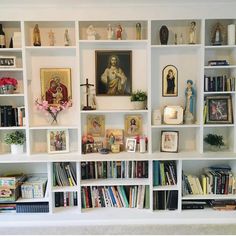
156 171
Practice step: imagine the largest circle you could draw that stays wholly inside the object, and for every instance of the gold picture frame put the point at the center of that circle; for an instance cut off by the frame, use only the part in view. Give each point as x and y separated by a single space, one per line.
56 84
133 125
96 125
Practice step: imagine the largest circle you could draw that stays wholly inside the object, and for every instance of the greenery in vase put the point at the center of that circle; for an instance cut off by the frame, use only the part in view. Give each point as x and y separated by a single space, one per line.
16 137
214 140
138 95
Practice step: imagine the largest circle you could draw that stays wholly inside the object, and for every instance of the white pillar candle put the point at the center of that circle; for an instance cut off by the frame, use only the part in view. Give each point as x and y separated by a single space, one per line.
231 34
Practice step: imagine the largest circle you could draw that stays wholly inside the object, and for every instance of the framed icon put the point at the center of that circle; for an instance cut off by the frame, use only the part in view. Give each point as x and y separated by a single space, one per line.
7 61
169 141
133 125
170 81
96 125
113 73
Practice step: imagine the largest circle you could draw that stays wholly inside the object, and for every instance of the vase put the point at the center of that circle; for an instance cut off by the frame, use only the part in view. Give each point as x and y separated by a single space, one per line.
139 105
17 149
164 35
7 89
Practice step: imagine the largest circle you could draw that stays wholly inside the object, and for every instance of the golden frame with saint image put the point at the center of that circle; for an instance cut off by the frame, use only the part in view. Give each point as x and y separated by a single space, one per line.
133 125
96 125
56 85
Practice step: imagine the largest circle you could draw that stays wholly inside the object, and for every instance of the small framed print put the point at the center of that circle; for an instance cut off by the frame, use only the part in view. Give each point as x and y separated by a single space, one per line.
170 81
133 125
169 141
130 145
219 110
58 141
96 125
114 136
7 61
173 115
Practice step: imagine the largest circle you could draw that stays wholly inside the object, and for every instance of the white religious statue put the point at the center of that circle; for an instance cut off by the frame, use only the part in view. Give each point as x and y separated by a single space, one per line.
190 95
66 38
51 38
192 33
110 32
91 33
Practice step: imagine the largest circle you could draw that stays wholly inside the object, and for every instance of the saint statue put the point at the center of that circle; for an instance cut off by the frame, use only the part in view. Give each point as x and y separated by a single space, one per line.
190 95
36 36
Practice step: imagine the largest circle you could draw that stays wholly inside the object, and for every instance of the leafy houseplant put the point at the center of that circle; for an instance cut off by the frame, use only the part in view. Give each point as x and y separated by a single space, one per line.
214 140
16 139
139 98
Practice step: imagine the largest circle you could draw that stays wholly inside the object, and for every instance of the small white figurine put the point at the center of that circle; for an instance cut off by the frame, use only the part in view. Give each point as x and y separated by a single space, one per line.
91 33
51 38
110 32
66 38
192 33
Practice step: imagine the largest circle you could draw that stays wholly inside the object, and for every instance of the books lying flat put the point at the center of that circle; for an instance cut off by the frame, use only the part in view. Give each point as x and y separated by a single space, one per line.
218 63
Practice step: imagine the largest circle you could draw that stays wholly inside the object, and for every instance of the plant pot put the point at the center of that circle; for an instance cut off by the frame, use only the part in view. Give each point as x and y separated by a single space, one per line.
7 89
16 149
139 105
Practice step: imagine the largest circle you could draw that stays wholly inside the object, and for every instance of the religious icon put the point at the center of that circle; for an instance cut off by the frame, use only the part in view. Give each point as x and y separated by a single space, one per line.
55 84
96 125
133 125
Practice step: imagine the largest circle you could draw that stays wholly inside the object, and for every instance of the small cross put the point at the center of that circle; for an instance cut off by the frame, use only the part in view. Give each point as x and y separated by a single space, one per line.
87 107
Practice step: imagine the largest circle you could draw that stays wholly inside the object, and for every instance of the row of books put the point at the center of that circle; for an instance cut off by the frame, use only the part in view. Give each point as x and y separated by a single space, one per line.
114 169
219 83
12 116
64 174
164 173
65 199
214 180
7 207
218 63
116 196
34 187
165 200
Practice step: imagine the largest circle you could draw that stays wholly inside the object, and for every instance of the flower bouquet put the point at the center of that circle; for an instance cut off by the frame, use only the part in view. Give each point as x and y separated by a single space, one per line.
7 85
52 109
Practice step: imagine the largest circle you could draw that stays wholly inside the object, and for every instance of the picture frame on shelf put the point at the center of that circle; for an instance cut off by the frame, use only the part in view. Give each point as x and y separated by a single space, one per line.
130 145
170 81
115 136
58 140
133 125
96 125
8 61
169 141
173 115
219 109
110 65
56 85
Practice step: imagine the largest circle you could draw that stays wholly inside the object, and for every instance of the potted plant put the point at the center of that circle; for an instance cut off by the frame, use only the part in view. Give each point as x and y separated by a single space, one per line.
7 85
215 141
16 139
139 99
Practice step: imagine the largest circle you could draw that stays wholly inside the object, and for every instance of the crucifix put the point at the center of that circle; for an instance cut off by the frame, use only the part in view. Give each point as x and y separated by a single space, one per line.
87 107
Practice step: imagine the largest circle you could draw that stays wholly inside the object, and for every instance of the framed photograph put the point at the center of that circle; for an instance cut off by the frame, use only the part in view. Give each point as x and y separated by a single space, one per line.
96 125
133 125
7 61
113 73
219 110
58 141
55 84
170 81
169 141
130 145
173 115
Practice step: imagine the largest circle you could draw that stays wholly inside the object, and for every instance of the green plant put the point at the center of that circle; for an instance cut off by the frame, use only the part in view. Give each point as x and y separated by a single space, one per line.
16 137
138 95
214 140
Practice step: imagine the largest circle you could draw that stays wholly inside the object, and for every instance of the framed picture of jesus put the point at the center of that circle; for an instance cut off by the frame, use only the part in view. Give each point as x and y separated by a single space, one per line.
55 84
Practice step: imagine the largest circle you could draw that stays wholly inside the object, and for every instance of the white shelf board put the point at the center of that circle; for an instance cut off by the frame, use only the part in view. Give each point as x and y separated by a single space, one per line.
56 189
218 125
104 41
162 126
13 128
209 196
48 48
219 92
114 111
221 47
11 69
10 49
166 187
12 95
115 182
32 200
220 67
177 46
53 127
124 156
